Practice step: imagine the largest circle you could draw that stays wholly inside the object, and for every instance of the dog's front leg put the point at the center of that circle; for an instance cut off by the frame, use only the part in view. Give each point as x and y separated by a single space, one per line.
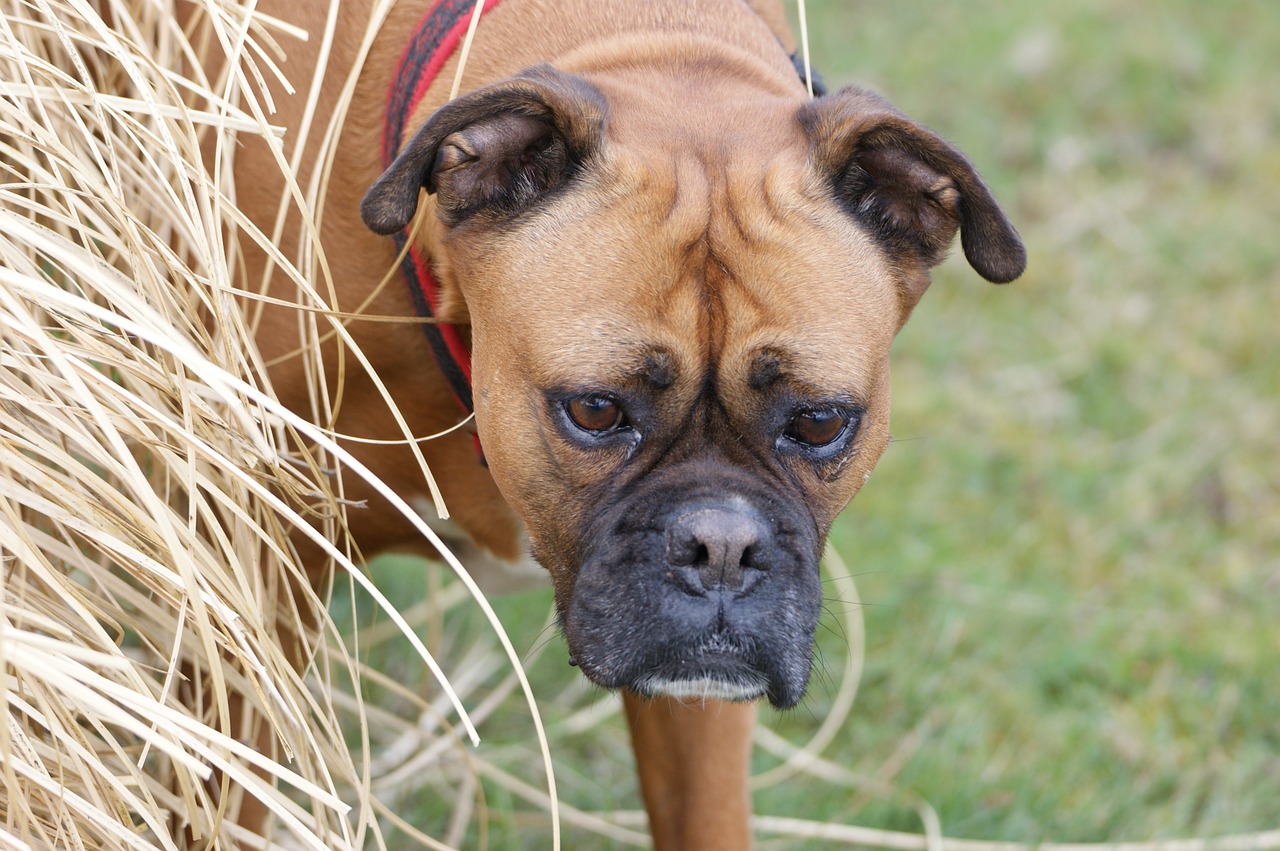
694 760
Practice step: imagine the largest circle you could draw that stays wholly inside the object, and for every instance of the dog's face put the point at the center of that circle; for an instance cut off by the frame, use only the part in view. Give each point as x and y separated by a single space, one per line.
681 324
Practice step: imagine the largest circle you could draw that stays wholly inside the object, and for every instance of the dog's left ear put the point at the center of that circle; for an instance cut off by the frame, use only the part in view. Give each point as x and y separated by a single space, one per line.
907 185
496 150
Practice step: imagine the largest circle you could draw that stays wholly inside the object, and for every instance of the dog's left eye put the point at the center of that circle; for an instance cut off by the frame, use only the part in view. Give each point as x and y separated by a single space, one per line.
817 428
598 413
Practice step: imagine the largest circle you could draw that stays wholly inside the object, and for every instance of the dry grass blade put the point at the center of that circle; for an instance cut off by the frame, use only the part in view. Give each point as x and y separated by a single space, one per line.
153 614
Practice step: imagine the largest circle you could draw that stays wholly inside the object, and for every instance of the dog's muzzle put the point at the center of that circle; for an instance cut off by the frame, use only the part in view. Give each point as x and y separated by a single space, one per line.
699 590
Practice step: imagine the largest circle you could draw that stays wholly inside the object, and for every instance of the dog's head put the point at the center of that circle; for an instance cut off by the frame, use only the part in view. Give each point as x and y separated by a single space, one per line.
681 314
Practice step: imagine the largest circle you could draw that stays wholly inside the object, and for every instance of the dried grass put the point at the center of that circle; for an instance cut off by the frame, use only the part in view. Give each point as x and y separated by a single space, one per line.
153 606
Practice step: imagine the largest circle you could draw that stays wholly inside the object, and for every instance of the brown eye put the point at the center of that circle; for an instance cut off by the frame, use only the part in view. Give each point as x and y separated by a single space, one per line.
817 428
596 412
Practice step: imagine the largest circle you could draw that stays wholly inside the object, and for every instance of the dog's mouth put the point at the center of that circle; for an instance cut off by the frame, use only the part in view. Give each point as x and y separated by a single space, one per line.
718 669
714 662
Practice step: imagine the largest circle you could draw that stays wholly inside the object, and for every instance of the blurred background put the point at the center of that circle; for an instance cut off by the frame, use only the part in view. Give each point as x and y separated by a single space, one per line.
1070 557
1068 562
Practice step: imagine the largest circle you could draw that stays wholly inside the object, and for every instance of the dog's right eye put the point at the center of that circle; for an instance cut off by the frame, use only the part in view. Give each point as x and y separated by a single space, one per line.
597 413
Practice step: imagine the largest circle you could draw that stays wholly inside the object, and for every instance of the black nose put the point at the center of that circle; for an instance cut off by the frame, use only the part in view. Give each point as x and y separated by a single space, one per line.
719 542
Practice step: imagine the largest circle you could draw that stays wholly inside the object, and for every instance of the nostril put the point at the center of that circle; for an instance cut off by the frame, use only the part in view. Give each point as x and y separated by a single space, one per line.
685 550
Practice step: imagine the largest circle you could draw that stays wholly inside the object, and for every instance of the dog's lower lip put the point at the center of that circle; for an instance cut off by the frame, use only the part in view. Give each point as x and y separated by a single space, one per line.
702 688
716 669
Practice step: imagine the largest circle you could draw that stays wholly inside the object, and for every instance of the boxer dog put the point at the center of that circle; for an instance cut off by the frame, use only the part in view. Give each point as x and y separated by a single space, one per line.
666 278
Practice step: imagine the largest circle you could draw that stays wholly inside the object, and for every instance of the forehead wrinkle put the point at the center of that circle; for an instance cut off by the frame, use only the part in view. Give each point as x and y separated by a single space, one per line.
701 273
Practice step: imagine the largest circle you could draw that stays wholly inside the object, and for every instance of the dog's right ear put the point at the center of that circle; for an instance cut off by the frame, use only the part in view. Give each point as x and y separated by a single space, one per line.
495 151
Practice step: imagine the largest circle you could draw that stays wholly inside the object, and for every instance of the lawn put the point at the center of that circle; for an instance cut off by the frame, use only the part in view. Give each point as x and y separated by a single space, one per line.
1068 561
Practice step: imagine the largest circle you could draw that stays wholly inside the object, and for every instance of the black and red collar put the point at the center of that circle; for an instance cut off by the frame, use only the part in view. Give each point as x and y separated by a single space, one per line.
433 42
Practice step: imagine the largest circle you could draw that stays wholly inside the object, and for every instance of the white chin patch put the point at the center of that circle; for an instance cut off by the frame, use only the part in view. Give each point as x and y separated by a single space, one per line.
706 688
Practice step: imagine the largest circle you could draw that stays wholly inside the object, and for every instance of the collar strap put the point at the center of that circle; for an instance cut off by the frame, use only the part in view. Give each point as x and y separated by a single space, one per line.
433 42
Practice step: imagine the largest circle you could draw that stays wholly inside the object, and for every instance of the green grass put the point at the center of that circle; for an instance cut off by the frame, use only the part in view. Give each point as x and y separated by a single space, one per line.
1070 557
